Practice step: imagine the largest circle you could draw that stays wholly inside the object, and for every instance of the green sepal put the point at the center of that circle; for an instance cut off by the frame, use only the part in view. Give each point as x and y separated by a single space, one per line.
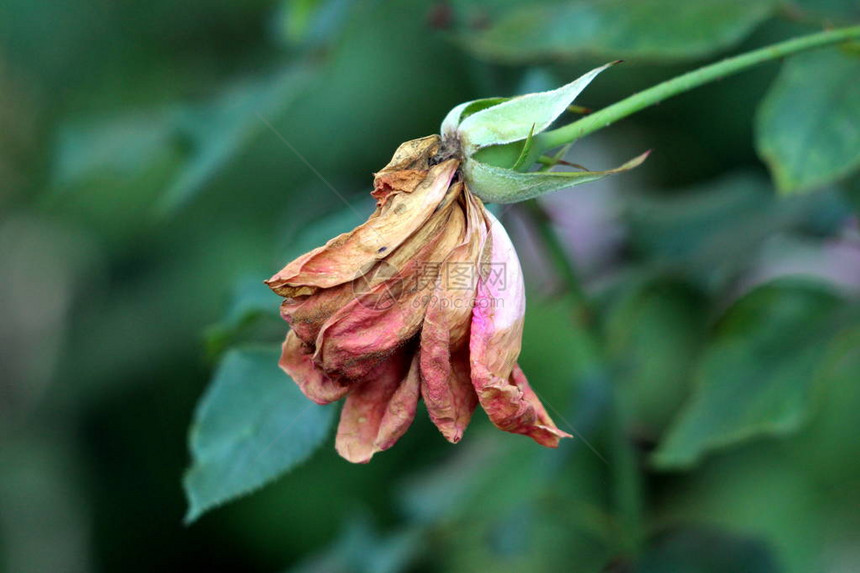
499 185
464 110
522 160
514 119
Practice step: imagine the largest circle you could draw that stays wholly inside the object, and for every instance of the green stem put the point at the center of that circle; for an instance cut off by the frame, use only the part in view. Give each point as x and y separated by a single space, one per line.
628 106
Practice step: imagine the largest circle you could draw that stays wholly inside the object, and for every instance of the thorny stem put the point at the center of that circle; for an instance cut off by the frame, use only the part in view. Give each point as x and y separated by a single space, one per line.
656 94
627 485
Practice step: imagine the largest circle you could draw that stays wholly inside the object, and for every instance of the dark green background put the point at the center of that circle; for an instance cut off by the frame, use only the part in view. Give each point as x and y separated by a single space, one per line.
154 169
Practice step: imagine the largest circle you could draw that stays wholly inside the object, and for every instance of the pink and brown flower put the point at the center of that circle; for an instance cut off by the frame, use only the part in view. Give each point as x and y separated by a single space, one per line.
425 300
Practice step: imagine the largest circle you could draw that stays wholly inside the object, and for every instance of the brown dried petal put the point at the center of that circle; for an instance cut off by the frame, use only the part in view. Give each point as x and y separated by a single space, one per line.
372 326
297 362
379 411
342 258
446 385
307 314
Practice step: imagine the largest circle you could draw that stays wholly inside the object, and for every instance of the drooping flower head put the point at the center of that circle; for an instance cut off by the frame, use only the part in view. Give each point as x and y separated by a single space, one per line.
425 300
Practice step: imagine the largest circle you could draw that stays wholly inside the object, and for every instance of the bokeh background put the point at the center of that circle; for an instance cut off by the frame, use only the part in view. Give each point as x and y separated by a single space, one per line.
159 159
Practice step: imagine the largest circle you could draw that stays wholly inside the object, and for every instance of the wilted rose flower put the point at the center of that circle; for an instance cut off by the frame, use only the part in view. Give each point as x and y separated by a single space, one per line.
425 300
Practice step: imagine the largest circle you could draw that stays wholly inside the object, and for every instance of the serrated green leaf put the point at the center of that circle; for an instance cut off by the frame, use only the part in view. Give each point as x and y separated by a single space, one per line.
655 29
500 185
251 426
514 119
808 126
756 375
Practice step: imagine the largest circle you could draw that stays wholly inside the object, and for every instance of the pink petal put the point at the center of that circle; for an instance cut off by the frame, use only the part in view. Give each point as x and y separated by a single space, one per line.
446 384
495 342
379 411
345 256
401 409
446 387
297 362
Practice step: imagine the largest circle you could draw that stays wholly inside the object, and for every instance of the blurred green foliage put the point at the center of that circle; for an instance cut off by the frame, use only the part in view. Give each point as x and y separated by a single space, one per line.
654 29
806 149
159 159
